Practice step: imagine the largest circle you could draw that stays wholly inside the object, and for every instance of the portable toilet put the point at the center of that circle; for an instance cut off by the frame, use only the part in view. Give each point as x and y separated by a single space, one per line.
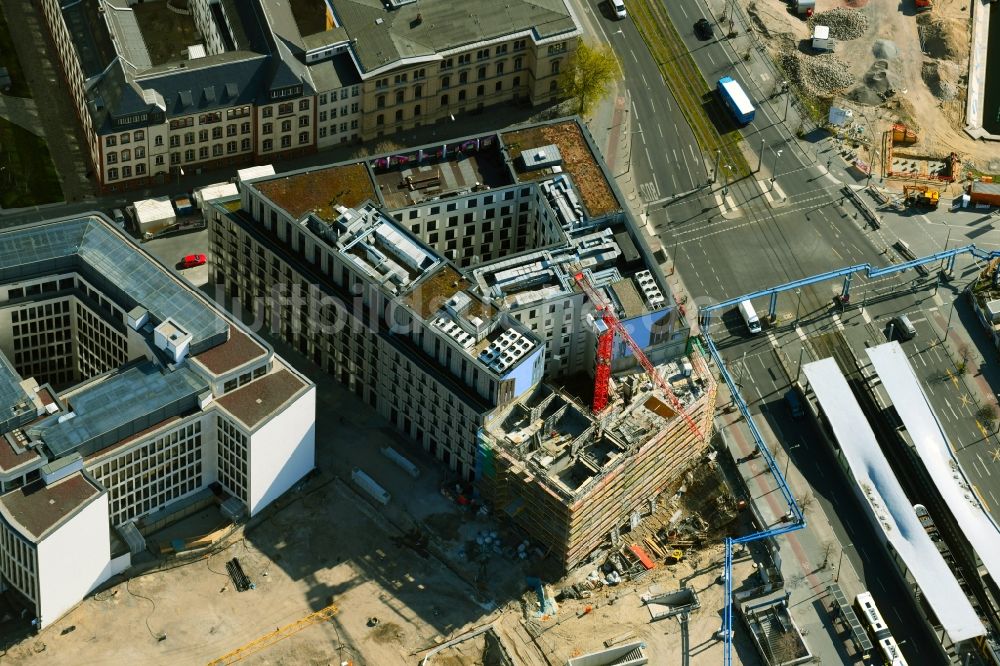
821 38
805 7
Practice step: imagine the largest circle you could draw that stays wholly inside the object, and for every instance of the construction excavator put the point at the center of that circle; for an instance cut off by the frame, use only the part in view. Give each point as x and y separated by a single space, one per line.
921 195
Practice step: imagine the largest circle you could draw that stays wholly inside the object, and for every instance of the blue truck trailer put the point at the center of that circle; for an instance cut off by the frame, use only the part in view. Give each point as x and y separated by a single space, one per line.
736 99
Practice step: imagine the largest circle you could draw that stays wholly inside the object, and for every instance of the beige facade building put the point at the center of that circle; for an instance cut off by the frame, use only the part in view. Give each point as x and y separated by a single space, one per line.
268 79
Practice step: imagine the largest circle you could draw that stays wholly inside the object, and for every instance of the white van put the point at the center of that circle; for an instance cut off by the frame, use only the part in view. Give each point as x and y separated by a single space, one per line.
750 317
618 7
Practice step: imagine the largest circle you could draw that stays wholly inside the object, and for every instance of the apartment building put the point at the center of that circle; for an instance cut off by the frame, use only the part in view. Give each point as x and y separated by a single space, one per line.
439 284
124 392
269 80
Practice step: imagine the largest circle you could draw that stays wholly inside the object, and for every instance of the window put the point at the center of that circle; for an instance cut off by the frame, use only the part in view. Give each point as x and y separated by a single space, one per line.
217 150
444 100
303 137
188 138
303 121
354 124
355 107
268 145
464 59
480 91
267 128
399 115
286 142
126 172
519 44
126 155
303 105
552 86
322 116
419 74
140 169
463 77
418 91
481 73
244 128
355 91
322 132
322 99
230 146
175 158
124 138
286 125
400 78
380 102
502 49
216 132
268 111
343 110
399 97
140 135
518 63
158 161
113 173
110 141
112 157
482 54
159 140
245 144
499 86
461 95
286 108
231 130
203 153
188 155
445 82
499 69
416 110
555 66
202 136
517 81
557 48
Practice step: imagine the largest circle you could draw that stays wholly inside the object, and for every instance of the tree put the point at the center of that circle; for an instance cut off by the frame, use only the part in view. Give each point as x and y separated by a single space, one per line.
586 76
987 415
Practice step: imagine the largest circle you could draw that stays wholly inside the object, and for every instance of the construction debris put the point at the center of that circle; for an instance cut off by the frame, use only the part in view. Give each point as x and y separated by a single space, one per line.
240 579
844 23
819 75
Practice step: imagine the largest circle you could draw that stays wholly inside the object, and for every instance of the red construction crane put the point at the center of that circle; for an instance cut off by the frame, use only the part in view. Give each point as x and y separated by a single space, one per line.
602 371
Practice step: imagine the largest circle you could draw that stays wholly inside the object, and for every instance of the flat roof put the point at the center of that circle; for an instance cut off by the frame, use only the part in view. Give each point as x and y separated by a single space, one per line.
935 451
118 406
238 350
9 458
260 398
12 396
36 509
887 501
318 191
125 273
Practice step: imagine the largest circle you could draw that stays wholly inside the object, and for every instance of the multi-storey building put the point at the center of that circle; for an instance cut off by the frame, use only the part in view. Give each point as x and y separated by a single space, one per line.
122 392
439 284
264 79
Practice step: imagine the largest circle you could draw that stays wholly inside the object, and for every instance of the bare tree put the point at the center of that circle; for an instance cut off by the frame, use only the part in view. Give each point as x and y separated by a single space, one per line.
826 547
806 501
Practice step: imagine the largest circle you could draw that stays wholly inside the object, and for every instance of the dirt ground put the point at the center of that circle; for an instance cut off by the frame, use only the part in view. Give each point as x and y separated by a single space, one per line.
927 68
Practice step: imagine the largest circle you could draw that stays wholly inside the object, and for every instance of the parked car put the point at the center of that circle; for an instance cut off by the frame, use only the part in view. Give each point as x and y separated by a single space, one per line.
703 29
119 217
618 7
901 327
794 403
192 260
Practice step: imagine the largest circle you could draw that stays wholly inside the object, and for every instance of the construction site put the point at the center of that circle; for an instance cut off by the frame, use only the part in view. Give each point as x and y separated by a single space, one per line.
864 67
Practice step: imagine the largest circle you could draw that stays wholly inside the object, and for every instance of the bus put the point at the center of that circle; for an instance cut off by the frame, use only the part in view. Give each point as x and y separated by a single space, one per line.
736 100
878 631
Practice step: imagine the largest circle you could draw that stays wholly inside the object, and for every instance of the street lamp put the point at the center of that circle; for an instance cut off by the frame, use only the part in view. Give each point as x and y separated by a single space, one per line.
725 186
774 168
798 302
836 577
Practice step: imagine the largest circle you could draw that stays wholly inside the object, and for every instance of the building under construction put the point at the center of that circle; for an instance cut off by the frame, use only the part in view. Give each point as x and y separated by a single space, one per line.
573 480
471 278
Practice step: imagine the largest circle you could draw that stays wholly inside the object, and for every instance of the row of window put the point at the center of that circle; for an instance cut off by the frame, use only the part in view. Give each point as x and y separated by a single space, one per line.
286 125
18 562
332 97
232 459
203 135
125 155
354 108
286 142
446 100
285 108
343 128
124 138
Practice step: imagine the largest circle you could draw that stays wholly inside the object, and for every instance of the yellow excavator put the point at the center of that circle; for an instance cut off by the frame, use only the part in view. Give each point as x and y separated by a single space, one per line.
921 195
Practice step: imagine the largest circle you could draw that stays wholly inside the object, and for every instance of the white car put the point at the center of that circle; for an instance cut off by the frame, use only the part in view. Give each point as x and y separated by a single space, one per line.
618 7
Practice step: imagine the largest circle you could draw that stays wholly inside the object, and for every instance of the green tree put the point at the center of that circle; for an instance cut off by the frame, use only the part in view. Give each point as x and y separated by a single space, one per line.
586 76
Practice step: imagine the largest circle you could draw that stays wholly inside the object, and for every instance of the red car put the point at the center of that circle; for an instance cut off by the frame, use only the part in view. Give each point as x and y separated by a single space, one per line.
193 260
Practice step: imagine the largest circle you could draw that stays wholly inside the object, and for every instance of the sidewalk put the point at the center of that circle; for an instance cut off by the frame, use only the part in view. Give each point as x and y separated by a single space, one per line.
807 565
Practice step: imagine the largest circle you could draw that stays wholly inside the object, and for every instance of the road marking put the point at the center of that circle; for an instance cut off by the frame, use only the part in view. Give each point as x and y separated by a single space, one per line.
839 324
781 192
802 334
976 467
692 150
652 106
644 81
988 472
633 56
683 11
674 151
730 202
659 129
867 317
710 58
994 497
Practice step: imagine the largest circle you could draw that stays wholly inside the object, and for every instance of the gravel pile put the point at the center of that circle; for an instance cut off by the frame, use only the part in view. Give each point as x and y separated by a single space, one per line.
879 84
940 78
844 24
885 49
819 75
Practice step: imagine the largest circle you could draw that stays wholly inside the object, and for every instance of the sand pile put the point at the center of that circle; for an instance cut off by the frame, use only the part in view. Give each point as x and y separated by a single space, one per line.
885 49
844 24
941 78
819 75
942 38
